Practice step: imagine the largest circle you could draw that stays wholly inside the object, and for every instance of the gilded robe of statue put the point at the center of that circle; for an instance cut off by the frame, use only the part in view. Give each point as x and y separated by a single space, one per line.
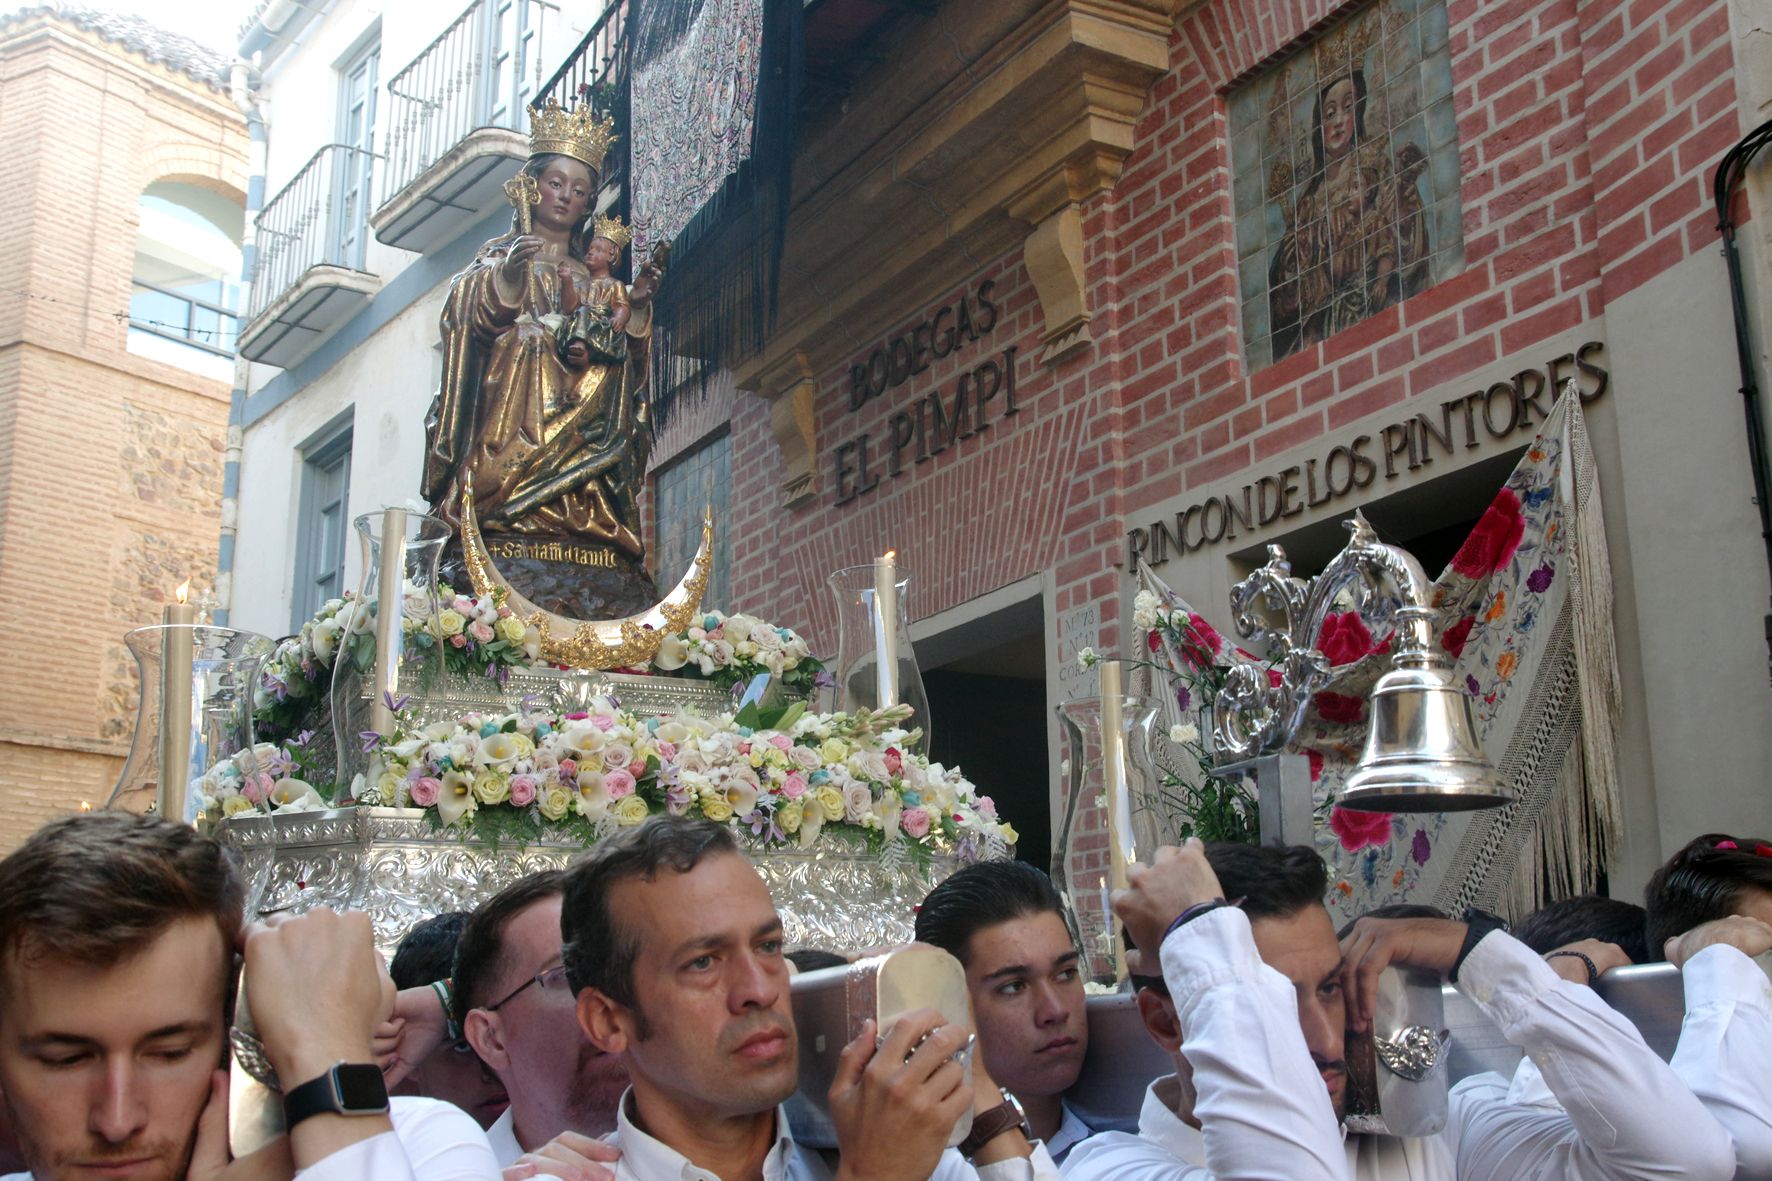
554 452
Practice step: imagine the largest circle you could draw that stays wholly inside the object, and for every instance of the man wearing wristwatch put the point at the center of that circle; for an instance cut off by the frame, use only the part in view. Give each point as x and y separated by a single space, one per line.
117 952
674 950
1252 1100
1005 923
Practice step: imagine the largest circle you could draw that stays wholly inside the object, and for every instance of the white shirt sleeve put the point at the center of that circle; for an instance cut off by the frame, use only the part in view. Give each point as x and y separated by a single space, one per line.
1725 1051
1626 1115
431 1141
1261 1104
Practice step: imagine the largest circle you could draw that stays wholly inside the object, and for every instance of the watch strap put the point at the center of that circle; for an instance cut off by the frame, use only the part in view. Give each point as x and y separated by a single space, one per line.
325 1095
988 1125
1478 923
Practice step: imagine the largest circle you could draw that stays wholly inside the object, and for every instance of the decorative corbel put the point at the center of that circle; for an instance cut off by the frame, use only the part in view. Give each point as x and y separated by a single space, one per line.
792 390
1054 256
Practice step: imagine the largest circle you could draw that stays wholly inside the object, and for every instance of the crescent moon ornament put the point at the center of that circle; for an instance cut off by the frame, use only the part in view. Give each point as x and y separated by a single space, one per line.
591 644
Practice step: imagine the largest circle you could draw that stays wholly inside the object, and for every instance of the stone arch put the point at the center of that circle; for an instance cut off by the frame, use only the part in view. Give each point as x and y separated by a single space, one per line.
207 166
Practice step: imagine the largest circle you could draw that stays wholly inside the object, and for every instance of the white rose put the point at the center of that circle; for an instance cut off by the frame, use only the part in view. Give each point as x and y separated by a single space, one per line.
1145 613
766 638
1187 732
740 626
673 654
858 801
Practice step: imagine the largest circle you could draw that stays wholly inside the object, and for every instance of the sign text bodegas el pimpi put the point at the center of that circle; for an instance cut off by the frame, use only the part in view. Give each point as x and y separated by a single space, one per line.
934 421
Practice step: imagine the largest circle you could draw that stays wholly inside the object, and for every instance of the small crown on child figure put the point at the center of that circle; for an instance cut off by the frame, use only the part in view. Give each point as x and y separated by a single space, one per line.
613 229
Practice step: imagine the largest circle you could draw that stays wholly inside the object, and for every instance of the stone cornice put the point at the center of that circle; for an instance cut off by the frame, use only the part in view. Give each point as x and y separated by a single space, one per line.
987 121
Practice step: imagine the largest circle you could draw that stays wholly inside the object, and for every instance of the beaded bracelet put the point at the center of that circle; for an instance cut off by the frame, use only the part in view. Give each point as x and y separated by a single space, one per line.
442 988
1593 970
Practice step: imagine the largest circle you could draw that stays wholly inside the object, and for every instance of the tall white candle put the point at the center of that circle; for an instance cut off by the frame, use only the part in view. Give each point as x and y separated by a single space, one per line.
177 650
390 591
886 629
1114 788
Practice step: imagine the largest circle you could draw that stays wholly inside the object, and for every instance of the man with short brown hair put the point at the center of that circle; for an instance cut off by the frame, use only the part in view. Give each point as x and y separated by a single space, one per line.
117 946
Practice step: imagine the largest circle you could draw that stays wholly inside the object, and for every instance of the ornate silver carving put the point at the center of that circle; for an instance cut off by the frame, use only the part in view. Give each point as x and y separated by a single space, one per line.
564 691
392 864
1412 1052
1271 608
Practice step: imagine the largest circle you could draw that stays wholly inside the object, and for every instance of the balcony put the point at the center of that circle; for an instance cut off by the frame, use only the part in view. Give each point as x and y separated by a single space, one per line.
307 276
457 126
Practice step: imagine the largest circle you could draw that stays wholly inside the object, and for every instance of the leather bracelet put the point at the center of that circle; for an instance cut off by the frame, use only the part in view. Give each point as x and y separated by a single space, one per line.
1593 971
988 1125
1478 923
1190 914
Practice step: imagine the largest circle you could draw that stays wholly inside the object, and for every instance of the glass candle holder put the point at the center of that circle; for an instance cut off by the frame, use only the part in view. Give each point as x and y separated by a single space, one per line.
876 664
195 710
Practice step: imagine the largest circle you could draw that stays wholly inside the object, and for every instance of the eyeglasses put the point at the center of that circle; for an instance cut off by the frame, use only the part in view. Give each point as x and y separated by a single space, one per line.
554 977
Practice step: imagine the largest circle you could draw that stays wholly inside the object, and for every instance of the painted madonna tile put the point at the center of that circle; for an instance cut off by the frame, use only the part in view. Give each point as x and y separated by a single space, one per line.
1346 177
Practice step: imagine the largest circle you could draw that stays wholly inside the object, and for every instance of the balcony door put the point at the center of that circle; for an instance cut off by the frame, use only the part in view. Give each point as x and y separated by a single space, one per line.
352 171
511 29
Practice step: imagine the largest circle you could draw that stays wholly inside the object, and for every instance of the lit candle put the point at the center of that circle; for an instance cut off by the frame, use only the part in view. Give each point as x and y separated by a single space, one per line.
886 629
1114 789
176 654
390 590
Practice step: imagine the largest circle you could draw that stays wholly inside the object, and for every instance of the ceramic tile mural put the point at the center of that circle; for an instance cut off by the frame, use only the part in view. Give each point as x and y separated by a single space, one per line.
1344 159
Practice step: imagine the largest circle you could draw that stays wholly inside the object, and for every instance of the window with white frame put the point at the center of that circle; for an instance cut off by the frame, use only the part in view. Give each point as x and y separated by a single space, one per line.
353 172
323 519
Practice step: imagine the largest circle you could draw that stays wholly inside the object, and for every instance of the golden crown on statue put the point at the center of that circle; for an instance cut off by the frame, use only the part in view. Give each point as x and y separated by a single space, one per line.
577 133
613 229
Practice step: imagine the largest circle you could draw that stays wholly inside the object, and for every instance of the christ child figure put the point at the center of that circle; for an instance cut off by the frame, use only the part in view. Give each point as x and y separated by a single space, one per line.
595 327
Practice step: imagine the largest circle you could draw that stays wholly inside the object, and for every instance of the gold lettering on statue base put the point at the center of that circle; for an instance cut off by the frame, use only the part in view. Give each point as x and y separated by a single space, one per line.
553 551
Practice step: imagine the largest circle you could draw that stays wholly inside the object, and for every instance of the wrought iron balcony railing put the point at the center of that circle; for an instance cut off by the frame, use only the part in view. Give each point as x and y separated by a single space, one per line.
320 218
596 72
480 72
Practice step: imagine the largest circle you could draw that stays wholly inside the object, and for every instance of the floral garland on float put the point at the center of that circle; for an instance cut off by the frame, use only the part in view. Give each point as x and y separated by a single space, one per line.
786 776
789 777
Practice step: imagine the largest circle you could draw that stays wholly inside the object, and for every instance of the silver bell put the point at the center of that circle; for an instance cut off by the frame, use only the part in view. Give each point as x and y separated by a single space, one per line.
1422 753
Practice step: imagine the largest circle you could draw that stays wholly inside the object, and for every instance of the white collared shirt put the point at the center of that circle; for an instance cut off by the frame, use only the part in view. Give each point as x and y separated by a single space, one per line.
1721 1055
644 1158
431 1141
1260 1099
502 1135
1619 1113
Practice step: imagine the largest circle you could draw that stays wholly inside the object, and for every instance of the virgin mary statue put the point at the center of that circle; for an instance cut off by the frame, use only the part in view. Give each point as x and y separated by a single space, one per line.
552 435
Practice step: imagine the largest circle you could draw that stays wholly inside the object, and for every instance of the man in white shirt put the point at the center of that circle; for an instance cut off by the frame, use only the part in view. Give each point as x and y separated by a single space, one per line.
1710 912
1624 1114
513 1006
1004 922
674 950
117 945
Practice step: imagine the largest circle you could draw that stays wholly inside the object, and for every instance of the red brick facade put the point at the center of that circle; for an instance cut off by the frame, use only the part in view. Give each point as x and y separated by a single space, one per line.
1587 133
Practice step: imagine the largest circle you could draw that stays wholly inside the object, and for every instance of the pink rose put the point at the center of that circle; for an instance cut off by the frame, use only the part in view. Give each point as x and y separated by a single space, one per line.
794 786
256 787
603 721
894 760
915 822
987 807
667 751
425 790
618 783
481 632
522 790
458 641
568 768
1359 829
780 741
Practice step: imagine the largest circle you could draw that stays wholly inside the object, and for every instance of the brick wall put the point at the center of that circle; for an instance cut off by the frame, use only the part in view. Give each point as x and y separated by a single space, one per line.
110 464
1586 130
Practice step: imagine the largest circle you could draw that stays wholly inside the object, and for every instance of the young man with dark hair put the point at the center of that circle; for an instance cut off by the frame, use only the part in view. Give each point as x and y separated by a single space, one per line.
1710 913
674 949
1004 922
1587 916
1242 1102
452 1072
117 958
511 1001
